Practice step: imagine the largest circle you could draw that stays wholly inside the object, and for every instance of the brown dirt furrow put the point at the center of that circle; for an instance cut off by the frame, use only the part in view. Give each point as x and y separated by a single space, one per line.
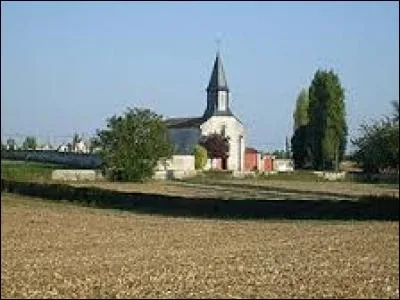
58 250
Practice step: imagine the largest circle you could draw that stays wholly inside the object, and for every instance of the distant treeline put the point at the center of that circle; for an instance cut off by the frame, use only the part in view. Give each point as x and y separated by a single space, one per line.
81 160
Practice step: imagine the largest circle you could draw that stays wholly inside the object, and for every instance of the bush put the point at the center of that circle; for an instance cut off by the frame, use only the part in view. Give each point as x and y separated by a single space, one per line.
200 157
378 146
132 145
217 145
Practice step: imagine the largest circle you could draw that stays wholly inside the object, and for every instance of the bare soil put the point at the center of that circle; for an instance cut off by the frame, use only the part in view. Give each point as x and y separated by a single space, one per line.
58 250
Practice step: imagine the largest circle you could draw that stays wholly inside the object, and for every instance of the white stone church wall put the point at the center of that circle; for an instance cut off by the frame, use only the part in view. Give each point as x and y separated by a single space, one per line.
233 129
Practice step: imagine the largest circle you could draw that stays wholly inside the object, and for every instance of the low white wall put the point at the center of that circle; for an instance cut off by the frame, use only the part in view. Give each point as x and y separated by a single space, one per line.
179 166
211 164
76 175
331 175
283 165
183 162
177 162
172 174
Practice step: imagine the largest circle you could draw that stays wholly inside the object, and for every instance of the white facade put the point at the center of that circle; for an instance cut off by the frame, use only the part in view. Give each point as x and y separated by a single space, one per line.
185 139
235 131
185 133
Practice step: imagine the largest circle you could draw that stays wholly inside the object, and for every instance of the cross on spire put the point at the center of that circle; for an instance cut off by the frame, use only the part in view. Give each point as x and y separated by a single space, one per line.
218 42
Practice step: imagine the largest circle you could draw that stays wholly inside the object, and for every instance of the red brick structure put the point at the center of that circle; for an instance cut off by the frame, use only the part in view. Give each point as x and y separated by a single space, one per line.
251 159
254 161
268 163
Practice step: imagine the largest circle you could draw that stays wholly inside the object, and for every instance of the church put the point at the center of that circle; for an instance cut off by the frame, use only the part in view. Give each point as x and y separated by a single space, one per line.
185 133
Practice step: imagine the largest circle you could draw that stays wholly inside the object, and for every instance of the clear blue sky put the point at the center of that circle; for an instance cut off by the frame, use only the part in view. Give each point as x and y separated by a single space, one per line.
67 66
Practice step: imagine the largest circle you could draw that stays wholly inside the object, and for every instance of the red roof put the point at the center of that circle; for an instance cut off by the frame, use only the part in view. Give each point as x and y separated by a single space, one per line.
250 150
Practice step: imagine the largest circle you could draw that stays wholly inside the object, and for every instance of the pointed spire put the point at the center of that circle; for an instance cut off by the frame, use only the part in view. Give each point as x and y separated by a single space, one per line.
218 79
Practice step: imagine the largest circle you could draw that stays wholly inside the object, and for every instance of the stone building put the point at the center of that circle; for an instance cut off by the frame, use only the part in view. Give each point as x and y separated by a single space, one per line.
185 133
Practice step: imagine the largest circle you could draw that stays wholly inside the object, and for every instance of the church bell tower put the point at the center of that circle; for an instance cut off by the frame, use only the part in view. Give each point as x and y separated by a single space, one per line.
217 92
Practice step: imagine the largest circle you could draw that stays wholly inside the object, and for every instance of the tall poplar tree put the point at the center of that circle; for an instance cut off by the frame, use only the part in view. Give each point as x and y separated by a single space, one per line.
300 115
300 141
327 120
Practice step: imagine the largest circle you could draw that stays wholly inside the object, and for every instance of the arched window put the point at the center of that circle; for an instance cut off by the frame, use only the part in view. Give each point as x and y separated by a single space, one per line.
222 100
223 130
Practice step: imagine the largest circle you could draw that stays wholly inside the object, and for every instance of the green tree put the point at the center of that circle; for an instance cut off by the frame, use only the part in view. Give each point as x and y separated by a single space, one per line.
132 144
301 147
200 157
92 144
29 143
377 146
327 120
301 139
396 111
279 153
300 115
288 149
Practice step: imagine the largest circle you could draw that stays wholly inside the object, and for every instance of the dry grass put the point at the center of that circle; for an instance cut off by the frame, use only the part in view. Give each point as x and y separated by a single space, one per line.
340 188
60 250
252 189
194 190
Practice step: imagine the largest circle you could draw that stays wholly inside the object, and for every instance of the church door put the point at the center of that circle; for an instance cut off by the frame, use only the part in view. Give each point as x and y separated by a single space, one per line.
224 164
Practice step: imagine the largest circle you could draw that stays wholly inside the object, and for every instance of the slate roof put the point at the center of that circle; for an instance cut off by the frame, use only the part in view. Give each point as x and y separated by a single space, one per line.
217 83
218 79
184 122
